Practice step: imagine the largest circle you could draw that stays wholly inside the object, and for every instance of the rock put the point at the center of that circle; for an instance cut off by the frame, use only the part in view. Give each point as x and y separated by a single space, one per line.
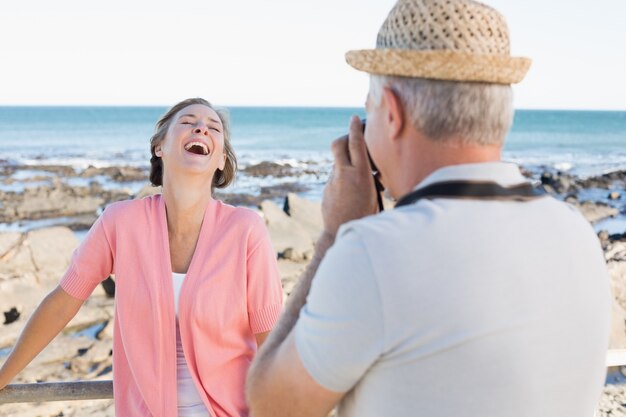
290 272
25 298
239 199
285 232
292 255
266 169
305 212
618 175
119 174
46 252
8 241
244 199
615 179
267 193
23 293
61 349
594 212
612 401
68 357
147 191
56 200
281 190
604 236
10 333
93 312
615 251
108 285
571 199
549 189
11 315
77 223
526 173
107 332
547 177
615 254
618 328
18 261
617 272
559 182
52 249
59 170
31 271
127 174
6 170
94 358
618 237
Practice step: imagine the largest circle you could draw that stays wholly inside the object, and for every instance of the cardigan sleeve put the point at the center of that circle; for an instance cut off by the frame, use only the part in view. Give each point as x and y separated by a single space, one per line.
91 263
264 287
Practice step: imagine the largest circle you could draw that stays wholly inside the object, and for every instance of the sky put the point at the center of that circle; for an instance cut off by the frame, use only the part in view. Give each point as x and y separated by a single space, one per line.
277 52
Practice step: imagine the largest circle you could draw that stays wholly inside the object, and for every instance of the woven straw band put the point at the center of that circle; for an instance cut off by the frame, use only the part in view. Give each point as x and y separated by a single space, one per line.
457 40
440 65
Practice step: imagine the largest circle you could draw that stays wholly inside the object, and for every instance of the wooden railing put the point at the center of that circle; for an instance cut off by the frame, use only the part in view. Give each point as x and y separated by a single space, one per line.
616 357
103 390
57 391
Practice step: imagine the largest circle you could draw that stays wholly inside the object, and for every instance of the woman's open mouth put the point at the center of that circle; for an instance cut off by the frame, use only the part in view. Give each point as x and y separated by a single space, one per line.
197 148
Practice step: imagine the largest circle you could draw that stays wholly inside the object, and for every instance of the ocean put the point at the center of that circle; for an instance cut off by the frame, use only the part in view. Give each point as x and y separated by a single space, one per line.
584 143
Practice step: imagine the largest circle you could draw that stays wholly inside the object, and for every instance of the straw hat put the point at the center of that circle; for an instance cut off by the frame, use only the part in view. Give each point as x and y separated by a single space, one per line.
457 40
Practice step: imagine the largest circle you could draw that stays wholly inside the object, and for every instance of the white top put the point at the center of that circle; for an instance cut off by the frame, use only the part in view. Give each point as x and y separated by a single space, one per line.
461 308
189 401
178 280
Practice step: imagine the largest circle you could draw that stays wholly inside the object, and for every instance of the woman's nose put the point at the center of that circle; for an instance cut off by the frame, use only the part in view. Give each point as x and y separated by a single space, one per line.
201 130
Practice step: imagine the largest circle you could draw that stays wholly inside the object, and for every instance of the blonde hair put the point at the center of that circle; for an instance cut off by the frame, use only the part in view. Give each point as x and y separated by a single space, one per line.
221 178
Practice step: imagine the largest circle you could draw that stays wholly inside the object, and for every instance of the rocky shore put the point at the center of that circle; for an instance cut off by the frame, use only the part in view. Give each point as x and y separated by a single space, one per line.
42 212
61 195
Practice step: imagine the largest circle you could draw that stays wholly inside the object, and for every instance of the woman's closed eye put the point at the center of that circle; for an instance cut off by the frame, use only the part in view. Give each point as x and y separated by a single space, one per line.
215 128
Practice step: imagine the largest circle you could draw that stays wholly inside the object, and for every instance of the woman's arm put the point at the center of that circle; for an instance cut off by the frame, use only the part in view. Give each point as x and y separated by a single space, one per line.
52 315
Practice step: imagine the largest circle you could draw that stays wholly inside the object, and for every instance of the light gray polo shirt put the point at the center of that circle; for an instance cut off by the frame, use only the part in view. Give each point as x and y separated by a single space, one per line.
461 308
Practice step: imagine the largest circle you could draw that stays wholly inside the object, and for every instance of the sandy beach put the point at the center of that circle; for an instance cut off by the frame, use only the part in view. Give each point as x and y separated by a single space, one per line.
47 209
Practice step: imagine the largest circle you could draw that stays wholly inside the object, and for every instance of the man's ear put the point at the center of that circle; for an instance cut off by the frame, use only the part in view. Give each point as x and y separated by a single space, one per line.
395 113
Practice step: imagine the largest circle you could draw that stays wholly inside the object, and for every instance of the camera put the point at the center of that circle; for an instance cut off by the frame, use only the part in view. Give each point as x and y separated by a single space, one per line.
377 184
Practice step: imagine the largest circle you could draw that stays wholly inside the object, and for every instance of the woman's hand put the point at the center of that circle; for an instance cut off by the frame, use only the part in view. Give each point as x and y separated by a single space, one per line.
350 192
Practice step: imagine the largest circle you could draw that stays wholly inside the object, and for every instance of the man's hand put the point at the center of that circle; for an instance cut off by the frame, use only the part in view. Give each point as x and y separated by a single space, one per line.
350 192
278 384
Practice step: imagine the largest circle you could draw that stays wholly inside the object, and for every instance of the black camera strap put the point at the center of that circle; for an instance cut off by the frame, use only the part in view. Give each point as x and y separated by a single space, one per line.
473 190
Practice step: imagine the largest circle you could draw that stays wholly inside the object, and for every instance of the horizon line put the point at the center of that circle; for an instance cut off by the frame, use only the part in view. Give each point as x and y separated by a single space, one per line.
284 106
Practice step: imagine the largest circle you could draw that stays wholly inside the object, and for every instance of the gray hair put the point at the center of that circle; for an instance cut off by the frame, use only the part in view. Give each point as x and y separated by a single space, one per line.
476 113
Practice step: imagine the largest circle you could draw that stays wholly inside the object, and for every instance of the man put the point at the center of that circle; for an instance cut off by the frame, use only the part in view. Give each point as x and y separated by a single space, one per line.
477 296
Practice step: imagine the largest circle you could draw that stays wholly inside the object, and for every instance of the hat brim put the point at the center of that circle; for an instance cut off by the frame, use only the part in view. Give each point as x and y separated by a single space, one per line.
441 65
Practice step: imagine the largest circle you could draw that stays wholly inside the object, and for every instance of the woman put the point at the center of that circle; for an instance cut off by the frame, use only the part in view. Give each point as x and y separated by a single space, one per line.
197 285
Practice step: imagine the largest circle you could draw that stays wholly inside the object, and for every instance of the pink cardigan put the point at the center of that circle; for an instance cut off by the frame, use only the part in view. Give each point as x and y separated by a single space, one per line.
232 292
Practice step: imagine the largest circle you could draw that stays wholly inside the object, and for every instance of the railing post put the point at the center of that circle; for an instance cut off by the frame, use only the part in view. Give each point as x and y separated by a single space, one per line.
616 357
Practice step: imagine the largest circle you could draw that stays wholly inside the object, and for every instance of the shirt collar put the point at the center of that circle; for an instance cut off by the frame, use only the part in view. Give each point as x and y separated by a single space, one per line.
503 173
